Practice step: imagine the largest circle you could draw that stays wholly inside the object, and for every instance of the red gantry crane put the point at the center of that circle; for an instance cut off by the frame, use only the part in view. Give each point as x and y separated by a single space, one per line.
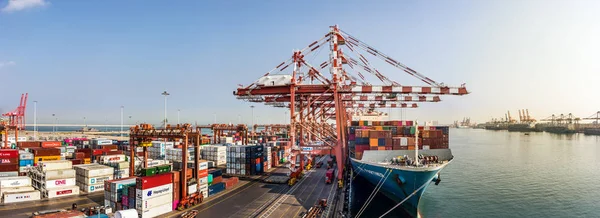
321 106
16 120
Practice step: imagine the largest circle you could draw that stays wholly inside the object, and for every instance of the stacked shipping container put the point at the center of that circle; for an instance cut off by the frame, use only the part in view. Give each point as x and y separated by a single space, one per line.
393 135
154 195
215 153
113 193
245 160
17 189
91 177
54 179
9 162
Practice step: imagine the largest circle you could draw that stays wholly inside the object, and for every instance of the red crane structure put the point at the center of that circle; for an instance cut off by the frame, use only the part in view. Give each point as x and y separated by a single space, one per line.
321 106
16 119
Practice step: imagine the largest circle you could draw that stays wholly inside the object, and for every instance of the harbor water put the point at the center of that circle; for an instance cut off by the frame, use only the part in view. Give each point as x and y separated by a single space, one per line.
508 174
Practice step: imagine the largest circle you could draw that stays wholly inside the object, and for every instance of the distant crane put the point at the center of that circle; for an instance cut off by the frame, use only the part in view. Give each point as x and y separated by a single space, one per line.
562 119
595 116
16 119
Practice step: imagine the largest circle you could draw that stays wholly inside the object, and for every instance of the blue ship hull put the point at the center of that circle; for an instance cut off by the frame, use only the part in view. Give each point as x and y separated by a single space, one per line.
399 184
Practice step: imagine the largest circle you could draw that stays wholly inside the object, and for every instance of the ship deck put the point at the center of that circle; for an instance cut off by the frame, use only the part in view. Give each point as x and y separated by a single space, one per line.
250 198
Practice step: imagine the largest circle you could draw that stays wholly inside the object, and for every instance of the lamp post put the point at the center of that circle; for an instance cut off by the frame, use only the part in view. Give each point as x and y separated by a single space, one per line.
122 121
35 120
165 93
252 106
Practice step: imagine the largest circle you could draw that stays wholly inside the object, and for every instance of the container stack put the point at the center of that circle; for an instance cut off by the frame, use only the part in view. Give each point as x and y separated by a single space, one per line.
157 150
267 158
97 143
203 175
174 154
230 182
9 167
215 153
245 160
154 195
25 162
216 188
393 135
91 177
17 189
113 192
119 163
45 154
87 154
54 179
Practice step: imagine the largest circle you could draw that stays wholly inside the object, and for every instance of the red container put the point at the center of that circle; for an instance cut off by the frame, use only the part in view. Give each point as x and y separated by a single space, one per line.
9 153
388 147
45 151
79 155
9 167
51 144
217 179
202 173
109 147
29 144
86 151
98 151
153 181
230 182
77 161
112 152
361 148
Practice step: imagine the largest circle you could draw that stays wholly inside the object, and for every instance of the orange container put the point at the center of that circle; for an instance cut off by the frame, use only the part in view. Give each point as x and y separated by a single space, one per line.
373 142
50 144
202 173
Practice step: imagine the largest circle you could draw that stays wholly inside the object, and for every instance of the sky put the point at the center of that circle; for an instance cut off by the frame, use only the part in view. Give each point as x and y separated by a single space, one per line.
88 58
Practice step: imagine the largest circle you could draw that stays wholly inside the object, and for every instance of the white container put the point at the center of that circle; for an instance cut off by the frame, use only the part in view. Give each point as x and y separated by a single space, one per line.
60 183
62 191
9 174
96 171
203 180
425 147
94 180
112 158
59 174
403 141
16 189
204 193
156 211
203 187
21 196
131 213
153 202
24 155
203 165
18 181
192 189
92 188
55 165
153 192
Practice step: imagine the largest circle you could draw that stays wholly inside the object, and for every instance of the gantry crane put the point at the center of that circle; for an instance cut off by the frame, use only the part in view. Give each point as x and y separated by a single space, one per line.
143 134
562 119
595 116
16 120
313 98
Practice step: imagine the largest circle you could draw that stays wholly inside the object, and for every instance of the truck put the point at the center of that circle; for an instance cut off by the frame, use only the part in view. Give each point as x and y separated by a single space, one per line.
329 176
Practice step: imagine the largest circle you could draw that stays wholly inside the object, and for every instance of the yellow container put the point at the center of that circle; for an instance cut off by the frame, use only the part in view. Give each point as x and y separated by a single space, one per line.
45 158
378 127
373 142
87 161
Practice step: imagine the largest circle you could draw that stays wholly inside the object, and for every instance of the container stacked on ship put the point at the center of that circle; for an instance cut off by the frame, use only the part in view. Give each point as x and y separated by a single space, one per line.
54 178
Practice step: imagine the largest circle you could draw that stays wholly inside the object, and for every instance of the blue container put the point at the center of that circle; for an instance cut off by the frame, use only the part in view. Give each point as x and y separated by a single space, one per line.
24 163
131 201
216 188
394 130
215 172
352 130
381 141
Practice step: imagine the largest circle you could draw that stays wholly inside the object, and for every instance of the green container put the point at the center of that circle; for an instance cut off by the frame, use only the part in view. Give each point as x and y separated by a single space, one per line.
125 190
149 171
210 179
163 169
412 130
386 128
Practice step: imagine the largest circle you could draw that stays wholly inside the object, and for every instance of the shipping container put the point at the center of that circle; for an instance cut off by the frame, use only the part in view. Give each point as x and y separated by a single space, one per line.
45 152
156 211
94 180
11 182
51 144
215 188
94 170
153 202
91 188
16 189
9 167
55 165
153 192
59 183
60 192
118 184
154 181
9 174
193 188
21 197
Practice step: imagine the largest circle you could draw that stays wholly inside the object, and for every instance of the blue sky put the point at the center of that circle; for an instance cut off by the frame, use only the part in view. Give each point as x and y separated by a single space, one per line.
87 58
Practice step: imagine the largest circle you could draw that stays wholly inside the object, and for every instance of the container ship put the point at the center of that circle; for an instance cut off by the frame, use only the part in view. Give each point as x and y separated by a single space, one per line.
409 157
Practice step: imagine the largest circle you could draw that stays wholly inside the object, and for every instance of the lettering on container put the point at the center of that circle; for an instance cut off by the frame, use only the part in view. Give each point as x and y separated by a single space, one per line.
23 197
60 182
64 192
15 183
160 191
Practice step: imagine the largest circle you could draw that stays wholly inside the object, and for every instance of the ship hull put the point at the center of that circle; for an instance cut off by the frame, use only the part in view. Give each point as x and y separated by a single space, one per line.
399 184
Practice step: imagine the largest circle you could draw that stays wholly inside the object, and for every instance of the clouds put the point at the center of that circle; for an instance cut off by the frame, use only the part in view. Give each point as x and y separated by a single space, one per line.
7 64
18 5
